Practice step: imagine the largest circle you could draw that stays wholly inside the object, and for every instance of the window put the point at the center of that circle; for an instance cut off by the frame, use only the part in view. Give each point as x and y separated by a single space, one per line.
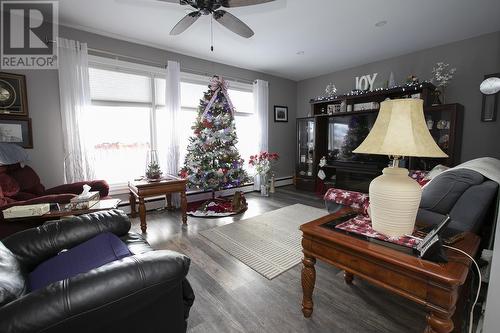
126 118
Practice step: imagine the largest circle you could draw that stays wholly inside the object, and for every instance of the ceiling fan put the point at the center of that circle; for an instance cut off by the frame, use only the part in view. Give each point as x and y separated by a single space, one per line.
207 7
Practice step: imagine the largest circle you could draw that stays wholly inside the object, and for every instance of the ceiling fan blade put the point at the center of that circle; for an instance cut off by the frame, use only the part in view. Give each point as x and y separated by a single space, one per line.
233 23
241 3
185 23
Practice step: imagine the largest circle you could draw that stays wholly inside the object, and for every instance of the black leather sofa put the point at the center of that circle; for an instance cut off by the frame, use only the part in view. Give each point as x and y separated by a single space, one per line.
146 292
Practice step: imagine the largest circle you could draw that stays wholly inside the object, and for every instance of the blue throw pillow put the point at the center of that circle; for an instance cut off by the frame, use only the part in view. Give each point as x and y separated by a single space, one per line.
100 250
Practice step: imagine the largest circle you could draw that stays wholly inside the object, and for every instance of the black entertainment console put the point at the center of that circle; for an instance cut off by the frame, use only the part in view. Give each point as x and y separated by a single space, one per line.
334 135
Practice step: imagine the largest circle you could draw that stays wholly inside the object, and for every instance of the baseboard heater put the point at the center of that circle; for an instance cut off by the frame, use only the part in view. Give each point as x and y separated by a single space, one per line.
202 195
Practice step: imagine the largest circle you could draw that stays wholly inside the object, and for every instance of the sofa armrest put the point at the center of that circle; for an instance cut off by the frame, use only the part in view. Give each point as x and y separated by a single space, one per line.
77 188
116 289
35 245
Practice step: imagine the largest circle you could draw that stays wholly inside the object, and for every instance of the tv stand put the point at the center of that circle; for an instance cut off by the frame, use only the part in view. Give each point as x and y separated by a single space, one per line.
444 123
351 176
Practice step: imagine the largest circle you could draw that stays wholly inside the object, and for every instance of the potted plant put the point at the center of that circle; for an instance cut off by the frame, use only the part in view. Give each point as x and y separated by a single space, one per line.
153 170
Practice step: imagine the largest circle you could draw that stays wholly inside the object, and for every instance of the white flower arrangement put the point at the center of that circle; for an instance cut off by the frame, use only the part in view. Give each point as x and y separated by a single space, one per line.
442 74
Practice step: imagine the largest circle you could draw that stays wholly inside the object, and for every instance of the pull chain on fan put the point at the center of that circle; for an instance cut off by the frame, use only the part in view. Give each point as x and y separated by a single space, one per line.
211 34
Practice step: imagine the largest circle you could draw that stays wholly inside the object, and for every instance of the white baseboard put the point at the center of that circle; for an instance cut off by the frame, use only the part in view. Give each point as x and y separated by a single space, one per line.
159 201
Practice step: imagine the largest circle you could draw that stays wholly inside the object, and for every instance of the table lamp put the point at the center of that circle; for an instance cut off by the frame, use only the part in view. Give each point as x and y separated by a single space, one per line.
399 130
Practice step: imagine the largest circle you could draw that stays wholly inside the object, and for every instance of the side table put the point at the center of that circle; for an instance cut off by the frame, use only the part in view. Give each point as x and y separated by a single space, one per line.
141 189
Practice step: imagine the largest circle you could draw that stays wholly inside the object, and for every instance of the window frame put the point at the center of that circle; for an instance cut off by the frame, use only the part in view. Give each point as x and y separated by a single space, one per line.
153 73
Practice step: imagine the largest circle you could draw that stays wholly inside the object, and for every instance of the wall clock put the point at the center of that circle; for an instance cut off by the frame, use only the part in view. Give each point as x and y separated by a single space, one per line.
7 94
13 98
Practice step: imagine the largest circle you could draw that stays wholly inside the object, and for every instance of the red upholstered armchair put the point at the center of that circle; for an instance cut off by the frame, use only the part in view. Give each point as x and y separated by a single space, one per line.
21 186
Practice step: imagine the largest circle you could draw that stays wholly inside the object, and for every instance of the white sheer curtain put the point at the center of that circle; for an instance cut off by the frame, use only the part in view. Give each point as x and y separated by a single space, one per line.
74 90
173 109
261 105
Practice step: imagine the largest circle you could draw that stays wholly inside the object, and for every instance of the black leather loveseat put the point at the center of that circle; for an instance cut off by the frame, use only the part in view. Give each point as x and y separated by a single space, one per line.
145 292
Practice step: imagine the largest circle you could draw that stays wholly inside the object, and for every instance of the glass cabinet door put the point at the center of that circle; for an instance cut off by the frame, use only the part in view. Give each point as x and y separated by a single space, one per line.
306 132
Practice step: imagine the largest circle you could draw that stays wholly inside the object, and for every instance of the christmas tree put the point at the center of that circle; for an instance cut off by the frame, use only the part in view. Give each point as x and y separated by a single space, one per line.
213 161
357 132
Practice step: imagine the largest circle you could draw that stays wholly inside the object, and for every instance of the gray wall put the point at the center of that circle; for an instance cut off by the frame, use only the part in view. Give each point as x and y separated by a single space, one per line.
43 105
473 58
43 100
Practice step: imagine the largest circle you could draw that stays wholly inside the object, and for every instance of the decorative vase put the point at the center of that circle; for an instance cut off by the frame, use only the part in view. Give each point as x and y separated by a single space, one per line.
264 187
443 97
435 97
272 187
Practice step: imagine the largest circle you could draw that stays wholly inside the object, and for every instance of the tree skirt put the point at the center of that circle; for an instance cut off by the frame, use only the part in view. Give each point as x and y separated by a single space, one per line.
218 207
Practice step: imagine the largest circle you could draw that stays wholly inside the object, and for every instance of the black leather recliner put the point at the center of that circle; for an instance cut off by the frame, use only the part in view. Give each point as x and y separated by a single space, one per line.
146 292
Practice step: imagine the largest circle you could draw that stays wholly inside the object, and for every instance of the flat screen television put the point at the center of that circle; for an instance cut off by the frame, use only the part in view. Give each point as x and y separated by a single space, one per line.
345 133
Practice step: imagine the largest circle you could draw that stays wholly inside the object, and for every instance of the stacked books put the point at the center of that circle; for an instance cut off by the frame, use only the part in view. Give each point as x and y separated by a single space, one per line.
26 211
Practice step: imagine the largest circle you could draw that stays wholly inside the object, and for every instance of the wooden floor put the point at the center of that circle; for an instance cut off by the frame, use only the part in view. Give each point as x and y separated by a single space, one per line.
231 297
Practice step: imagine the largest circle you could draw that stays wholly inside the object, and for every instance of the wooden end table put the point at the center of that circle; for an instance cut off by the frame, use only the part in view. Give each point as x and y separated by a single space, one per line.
142 189
435 286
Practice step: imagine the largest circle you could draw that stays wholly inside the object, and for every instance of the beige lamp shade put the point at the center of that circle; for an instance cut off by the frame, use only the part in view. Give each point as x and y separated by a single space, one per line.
400 130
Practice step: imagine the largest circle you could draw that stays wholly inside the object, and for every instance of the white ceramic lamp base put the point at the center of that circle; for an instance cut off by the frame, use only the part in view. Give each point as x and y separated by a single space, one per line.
394 201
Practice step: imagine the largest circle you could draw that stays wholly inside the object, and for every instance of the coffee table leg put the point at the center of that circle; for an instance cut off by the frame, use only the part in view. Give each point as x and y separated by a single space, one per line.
308 281
142 214
184 207
131 200
439 323
348 277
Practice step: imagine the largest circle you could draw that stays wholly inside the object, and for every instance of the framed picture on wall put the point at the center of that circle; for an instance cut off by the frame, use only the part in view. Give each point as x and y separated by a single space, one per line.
490 103
280 114
13 99
16 130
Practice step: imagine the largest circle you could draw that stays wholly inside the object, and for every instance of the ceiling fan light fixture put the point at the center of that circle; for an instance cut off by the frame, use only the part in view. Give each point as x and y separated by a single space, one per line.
205 7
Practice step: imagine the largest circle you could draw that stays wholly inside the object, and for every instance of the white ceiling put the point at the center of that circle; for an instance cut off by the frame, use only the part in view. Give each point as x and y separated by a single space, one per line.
334 34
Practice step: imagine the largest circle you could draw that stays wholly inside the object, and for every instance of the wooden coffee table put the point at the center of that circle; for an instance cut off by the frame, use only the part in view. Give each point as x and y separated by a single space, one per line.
435 286
142 189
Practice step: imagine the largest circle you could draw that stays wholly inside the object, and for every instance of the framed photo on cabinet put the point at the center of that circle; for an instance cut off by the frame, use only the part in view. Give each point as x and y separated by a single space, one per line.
16 130
13 98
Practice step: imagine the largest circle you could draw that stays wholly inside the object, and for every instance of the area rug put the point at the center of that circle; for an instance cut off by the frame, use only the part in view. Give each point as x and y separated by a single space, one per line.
269 243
